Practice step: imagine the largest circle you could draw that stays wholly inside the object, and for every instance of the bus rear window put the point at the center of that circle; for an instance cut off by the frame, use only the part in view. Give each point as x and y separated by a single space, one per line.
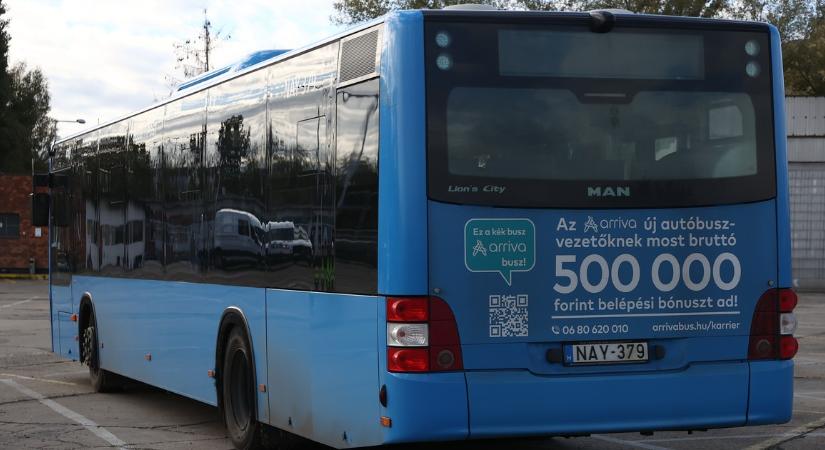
549 134
545 114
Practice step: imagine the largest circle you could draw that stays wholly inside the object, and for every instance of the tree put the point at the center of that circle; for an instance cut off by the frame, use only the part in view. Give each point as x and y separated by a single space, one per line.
804 60
4 61
354 11
26 131
25 128
801 23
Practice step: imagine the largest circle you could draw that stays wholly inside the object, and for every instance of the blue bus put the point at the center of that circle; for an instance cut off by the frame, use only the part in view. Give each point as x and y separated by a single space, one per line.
446 225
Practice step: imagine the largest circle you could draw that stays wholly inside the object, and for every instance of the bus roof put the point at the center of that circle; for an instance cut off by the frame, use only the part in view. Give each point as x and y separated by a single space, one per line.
206 81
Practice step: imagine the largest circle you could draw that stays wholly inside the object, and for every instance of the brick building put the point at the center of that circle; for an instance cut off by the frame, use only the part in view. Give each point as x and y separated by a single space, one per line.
19 240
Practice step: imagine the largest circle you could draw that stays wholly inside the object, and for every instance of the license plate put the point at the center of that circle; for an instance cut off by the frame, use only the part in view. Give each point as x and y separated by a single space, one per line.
606 353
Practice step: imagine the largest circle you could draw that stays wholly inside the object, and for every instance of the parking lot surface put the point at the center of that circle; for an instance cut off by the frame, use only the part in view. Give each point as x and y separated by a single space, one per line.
46 402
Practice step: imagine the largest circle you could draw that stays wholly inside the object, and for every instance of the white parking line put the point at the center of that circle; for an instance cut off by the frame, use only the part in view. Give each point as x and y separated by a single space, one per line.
18 303
23 377
87 423
636 444
810 397
799 431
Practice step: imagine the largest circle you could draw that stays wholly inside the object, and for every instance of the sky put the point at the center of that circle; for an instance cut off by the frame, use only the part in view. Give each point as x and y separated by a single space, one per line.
104 58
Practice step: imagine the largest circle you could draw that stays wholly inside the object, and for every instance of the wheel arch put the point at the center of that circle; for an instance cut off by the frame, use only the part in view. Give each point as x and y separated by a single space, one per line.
232 317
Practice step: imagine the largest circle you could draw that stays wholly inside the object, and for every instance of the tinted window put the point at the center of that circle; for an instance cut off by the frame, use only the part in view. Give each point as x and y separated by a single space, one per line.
356 214
145 212
111 205
551 135
548 114
183 141
235 171
300 187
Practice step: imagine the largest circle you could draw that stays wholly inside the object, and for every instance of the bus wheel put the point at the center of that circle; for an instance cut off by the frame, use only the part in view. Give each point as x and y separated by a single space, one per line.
101 380
238 392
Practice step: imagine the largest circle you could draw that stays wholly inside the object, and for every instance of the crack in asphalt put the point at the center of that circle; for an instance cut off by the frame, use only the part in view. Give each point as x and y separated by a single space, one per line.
797 437
39 364
168 427
135 446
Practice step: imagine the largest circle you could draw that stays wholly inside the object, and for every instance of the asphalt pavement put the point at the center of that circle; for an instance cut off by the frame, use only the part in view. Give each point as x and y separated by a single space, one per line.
46 402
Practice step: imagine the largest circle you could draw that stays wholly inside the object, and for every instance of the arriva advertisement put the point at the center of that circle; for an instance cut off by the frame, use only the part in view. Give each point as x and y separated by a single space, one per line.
544 275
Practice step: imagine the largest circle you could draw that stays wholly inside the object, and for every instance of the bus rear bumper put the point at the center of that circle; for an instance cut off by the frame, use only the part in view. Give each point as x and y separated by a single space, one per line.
519 403
771 392
434 407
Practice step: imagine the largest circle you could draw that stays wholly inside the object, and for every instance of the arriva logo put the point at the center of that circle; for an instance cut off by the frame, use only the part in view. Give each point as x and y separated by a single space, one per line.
618 191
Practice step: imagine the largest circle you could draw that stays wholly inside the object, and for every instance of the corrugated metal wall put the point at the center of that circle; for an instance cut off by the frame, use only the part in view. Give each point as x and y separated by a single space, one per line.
806 166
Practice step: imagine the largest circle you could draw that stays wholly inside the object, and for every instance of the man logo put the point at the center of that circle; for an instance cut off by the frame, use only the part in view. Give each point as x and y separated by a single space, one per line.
618 191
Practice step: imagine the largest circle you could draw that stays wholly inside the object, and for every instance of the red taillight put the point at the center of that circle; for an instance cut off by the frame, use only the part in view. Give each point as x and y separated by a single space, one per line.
400 359
788 346
443 348
787 300
408 309
766 341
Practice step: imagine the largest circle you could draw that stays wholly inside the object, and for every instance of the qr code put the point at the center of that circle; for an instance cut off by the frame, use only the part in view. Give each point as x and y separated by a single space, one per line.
508 315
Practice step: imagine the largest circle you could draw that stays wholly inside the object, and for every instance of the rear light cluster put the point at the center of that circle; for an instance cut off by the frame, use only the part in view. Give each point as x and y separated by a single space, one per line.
773 326
422 335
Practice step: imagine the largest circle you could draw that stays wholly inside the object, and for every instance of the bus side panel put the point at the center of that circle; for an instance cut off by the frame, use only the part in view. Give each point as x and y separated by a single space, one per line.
66 332
402 204
783 215
177 324
323 366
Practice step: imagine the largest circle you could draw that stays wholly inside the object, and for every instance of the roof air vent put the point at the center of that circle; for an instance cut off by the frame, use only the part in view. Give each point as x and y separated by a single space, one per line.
359 56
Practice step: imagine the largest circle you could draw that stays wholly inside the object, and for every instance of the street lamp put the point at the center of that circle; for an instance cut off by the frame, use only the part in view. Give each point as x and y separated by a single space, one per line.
54 131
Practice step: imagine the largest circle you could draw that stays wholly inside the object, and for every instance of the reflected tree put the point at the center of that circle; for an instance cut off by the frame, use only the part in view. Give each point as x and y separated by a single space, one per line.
233 151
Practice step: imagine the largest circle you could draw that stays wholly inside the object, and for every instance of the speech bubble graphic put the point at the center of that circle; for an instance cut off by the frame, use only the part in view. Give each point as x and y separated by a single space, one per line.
500 245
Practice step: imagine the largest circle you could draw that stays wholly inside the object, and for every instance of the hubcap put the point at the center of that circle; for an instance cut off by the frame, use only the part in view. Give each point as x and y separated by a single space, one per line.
88 345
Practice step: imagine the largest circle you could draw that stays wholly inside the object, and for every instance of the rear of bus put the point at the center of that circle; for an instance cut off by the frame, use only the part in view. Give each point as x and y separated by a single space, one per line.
607 228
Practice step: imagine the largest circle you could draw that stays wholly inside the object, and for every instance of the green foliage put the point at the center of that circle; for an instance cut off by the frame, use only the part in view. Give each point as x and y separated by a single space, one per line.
354 11
4 63
26 131
804 60
4 58
801 23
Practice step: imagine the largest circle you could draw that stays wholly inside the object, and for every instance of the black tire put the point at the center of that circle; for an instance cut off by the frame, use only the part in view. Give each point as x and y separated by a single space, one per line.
101 380
238 393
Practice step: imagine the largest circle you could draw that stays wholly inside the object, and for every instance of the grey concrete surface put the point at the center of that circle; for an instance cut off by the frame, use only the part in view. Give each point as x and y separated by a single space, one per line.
46 402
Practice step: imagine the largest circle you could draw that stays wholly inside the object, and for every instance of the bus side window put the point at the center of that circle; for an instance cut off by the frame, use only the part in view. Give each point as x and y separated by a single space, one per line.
356 185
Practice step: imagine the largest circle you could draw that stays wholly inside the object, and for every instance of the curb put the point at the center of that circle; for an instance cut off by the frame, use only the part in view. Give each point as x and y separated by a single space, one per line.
23 276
